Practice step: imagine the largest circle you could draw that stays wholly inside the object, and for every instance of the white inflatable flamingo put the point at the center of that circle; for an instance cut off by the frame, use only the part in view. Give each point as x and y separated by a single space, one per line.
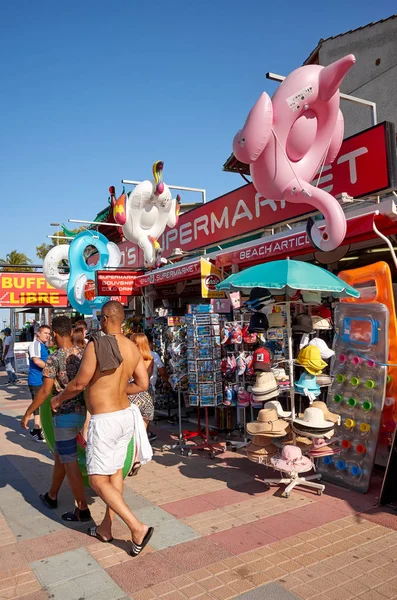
145 212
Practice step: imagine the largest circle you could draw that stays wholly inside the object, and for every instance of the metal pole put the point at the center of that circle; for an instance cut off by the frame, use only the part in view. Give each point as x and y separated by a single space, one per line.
93 223
354 99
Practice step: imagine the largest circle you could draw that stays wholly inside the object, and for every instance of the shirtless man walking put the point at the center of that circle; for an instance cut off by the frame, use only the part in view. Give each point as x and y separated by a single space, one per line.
107 365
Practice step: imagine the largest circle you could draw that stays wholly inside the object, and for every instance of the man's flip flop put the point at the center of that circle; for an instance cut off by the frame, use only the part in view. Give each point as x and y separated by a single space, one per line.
92 531
77 516
137 548
135 469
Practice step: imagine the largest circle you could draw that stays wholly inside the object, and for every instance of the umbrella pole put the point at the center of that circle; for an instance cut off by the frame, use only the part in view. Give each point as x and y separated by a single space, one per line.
290 361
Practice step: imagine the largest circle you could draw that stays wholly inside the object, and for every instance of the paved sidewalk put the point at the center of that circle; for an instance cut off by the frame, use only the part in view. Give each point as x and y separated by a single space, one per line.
219 534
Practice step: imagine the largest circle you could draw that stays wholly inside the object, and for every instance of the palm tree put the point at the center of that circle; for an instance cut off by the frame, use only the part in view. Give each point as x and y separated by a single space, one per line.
13 259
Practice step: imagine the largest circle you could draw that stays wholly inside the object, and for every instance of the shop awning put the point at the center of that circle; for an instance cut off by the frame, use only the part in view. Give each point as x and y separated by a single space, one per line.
359 229
182 271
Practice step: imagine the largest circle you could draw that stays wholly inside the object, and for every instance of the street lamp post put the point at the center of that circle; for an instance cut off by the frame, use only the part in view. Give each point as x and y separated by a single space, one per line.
55 225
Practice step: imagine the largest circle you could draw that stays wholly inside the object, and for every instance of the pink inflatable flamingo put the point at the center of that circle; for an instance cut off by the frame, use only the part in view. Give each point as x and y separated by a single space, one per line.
285 140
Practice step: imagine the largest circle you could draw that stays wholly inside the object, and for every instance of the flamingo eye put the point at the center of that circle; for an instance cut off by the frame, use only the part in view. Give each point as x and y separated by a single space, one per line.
242 141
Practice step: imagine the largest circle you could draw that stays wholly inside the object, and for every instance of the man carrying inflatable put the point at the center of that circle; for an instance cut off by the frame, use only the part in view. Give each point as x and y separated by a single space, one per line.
104 373
59 369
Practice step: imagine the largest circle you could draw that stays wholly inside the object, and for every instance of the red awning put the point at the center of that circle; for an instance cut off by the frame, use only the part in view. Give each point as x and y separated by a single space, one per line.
359 229
183 271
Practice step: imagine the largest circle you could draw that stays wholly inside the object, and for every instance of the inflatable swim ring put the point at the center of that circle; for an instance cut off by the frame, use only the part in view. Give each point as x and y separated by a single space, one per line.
46 424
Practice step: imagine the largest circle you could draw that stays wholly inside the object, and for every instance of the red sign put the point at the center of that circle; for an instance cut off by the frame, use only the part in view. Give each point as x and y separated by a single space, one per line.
29 289
174 274
366 164
358 229
179 290
111 283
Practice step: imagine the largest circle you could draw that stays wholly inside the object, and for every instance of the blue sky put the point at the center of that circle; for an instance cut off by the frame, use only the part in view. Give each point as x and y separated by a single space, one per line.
95 91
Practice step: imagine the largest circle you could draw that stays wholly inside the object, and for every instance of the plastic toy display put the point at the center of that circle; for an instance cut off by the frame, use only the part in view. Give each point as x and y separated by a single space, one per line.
46 423
287 138
357 393
145 212
376 282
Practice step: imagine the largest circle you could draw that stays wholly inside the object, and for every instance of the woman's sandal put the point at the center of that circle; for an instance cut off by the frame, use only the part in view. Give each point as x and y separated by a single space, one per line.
137 548
77 516
135 469
92 531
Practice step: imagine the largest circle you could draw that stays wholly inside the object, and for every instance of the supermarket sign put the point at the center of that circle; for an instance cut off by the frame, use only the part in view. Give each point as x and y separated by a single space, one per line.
18 290
116 283
366 165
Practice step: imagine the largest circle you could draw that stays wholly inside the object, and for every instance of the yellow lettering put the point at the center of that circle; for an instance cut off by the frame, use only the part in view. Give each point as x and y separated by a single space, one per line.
54 298
30 298
13 299
40 282
19 283
6 282
42 297
30 282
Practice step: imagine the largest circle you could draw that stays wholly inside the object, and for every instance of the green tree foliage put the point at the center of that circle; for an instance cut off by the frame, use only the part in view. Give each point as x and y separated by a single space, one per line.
14 259
44 248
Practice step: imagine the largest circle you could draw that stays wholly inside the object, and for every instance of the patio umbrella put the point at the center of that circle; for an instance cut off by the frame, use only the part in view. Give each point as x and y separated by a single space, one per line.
285 277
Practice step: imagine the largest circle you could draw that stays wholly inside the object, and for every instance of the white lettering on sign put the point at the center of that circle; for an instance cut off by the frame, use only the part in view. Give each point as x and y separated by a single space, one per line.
275 247
223 222
185 233
201 224
246 213
262 201
351 158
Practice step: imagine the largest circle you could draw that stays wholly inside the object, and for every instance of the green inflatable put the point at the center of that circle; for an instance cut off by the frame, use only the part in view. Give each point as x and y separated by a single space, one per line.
46 423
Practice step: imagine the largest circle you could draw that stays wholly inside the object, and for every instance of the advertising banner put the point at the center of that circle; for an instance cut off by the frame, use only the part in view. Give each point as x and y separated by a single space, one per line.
210 277
18 290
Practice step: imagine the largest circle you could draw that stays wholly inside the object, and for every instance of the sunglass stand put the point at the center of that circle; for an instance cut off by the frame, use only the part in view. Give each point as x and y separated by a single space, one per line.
358 391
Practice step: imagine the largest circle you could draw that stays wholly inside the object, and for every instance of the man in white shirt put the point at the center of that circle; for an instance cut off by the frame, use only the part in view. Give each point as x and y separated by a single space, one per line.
8 356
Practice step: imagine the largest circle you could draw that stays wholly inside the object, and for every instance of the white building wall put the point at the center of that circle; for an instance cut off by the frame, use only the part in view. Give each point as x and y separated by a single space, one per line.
366 79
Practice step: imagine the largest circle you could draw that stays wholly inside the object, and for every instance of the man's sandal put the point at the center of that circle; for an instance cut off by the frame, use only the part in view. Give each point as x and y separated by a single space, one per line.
77 516
137 548
92 531
135 469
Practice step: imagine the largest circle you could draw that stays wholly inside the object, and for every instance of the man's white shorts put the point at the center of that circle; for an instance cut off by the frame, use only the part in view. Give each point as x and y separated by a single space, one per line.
107 441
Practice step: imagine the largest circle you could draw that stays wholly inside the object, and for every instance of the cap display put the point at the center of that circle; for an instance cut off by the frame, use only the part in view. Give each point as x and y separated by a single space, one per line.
275 319
302 323
309 357
325 351
258 323
262 360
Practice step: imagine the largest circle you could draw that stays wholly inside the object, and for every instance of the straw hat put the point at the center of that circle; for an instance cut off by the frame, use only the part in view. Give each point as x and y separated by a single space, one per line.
268 423
291 461
277 405
320 323
329 416
314 418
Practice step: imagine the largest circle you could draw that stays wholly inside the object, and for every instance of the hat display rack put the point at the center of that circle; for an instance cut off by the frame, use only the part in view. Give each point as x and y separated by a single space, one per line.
252 346
293 444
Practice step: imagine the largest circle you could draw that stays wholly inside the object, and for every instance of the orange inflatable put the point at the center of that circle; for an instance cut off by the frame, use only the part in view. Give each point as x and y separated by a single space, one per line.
378 275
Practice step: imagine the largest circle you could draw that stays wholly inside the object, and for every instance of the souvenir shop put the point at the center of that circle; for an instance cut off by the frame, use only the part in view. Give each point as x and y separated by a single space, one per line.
287 364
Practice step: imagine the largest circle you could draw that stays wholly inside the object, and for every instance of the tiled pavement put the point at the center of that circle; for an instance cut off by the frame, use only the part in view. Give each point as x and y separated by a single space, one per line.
219 533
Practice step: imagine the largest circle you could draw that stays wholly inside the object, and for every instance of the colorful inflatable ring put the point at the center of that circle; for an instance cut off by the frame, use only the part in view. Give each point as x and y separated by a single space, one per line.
46 423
